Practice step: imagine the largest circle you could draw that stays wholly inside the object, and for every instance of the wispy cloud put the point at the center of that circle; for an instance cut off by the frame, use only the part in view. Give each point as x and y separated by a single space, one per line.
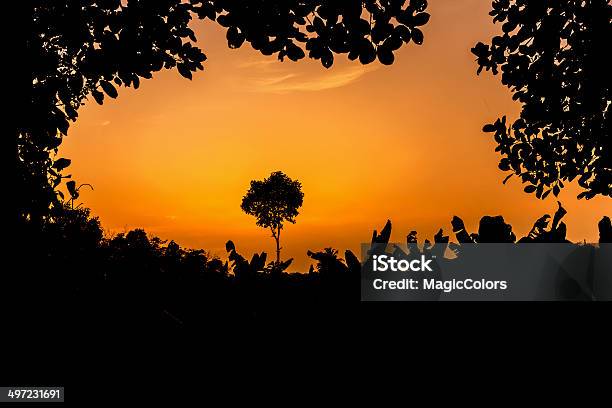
274 77
259 63
271 81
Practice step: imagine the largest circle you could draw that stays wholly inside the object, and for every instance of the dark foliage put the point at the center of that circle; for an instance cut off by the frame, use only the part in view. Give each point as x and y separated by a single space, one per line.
553 56
89 48
75 294
365 30
133 280
605 230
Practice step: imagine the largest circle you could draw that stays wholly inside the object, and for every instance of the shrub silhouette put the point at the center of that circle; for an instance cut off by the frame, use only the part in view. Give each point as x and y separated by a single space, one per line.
605 230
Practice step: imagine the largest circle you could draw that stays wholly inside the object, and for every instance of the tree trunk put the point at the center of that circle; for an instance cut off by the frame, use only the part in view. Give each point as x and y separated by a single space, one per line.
278 246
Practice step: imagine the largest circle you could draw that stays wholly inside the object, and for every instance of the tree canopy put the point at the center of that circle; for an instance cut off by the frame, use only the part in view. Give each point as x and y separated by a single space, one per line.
83 48
80 48
554 57
366 29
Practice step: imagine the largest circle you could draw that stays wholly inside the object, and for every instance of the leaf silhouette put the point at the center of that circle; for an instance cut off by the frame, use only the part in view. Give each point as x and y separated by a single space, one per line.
109 89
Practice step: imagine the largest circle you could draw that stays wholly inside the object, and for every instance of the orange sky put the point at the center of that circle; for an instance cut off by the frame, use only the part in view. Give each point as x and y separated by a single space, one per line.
368 143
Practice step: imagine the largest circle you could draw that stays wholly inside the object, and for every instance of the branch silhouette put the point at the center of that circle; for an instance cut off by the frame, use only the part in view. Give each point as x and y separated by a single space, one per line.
553 58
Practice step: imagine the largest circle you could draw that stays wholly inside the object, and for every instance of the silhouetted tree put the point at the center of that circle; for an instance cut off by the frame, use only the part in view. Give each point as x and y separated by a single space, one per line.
554 57
273 201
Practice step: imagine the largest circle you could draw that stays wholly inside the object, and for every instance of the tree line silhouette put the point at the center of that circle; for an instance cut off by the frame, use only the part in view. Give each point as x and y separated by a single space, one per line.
135 280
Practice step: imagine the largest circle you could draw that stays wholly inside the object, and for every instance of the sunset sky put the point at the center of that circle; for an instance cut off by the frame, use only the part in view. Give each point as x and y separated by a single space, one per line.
368 143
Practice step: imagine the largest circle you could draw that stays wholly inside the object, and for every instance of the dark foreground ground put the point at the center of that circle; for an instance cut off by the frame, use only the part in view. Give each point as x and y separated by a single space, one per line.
81 310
